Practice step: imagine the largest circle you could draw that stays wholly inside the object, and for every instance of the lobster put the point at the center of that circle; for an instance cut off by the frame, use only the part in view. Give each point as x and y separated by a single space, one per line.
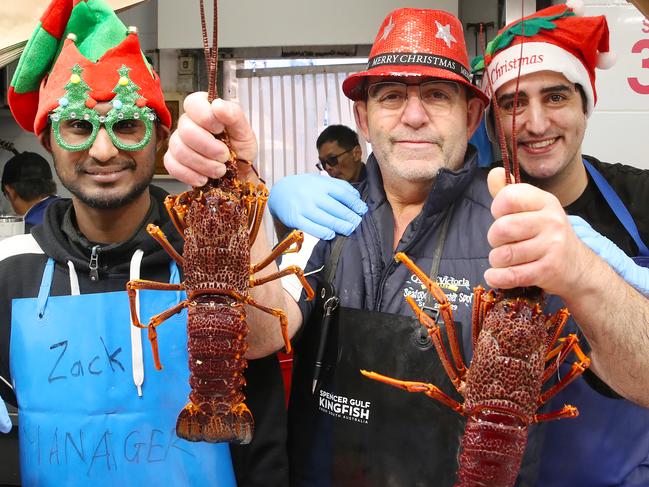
219 222
513 340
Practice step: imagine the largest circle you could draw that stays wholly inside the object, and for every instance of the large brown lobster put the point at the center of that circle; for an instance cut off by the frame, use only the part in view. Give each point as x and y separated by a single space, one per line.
513 341
219 222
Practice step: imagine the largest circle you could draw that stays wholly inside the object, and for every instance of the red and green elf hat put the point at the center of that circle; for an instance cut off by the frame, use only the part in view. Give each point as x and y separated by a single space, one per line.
101 45
556 39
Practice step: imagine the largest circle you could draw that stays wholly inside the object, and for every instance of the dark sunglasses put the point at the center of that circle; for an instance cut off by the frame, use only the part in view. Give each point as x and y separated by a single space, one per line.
331 161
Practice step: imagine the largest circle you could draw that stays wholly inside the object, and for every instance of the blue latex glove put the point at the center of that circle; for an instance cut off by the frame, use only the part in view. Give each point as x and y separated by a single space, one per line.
621 263
319 205
5 422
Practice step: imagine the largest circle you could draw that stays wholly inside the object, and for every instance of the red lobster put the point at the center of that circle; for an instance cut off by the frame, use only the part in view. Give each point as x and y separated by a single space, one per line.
219 222
512 342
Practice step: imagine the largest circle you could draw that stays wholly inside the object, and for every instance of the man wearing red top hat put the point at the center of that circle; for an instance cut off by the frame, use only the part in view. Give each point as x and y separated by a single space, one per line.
92 408
558 50
426 198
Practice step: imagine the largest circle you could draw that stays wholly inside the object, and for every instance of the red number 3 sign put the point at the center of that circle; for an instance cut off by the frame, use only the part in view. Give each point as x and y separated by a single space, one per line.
641 45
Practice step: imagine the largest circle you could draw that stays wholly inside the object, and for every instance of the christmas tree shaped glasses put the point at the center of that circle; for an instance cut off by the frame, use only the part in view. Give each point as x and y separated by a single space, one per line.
129 122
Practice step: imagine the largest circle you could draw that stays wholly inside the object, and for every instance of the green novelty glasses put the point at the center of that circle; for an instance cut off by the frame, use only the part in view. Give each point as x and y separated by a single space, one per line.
129 128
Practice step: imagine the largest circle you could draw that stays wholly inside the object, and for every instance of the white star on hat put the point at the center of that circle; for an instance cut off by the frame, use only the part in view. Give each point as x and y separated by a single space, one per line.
444 32
388 28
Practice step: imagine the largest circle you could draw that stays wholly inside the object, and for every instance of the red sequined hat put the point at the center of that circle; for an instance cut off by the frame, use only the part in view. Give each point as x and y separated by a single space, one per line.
417 42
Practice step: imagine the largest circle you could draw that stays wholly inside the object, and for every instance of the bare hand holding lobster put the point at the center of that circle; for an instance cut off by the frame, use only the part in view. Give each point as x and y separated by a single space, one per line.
533 243
195 154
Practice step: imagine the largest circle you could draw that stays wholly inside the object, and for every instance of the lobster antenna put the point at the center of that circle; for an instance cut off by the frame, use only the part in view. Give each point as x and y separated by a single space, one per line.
515 166
9 146
211 54
497 117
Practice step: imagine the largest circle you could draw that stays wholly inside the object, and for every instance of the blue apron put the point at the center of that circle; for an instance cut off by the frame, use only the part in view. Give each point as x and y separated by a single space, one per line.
621 212
81 420
608 443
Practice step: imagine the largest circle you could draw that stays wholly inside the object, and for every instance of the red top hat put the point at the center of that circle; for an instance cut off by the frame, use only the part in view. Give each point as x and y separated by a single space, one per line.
417 42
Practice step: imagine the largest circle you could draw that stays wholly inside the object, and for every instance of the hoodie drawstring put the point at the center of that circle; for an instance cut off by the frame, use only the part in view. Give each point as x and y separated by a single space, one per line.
136 333
74 280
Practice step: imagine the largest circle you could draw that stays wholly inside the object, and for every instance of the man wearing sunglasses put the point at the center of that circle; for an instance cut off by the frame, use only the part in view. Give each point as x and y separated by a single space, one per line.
340 153
69 356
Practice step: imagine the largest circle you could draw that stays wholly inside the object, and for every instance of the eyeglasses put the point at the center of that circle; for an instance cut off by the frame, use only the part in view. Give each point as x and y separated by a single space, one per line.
128 131
437 97
331 161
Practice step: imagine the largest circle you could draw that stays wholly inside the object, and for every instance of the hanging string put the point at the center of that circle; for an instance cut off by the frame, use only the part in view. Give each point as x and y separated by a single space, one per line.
211 54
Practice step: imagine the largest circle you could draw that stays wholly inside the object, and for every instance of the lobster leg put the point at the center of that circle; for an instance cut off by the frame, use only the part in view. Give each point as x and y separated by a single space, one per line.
556 325
177 218
260 196
482 303
429 389
444 309
140 284
436 335
157 320
160 237
248 198
284 247
576 370
567 411
283 320
287 271
561 352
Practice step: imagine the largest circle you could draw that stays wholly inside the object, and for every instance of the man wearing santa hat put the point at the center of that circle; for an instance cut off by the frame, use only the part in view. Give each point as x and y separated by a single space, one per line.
556 52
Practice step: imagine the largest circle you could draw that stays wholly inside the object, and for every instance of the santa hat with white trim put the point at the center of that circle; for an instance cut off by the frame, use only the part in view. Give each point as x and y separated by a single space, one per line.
556 39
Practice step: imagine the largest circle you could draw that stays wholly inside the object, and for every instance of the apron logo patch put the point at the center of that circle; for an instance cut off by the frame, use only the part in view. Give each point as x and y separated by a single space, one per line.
458 291
344 407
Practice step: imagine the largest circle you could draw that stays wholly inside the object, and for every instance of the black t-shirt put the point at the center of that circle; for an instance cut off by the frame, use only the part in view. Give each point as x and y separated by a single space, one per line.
632 186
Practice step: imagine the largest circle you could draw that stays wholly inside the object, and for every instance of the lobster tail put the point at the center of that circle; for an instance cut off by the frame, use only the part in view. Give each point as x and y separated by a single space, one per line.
492 450
216 331
234 427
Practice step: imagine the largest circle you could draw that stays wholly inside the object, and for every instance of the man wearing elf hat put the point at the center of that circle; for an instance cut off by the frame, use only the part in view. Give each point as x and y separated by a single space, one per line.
92 408
558 50
427 198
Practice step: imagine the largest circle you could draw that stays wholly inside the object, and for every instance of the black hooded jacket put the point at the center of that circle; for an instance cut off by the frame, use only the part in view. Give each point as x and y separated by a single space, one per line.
22 261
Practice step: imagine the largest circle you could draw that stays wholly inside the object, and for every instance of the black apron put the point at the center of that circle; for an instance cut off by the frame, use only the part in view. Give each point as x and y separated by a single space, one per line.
355 431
